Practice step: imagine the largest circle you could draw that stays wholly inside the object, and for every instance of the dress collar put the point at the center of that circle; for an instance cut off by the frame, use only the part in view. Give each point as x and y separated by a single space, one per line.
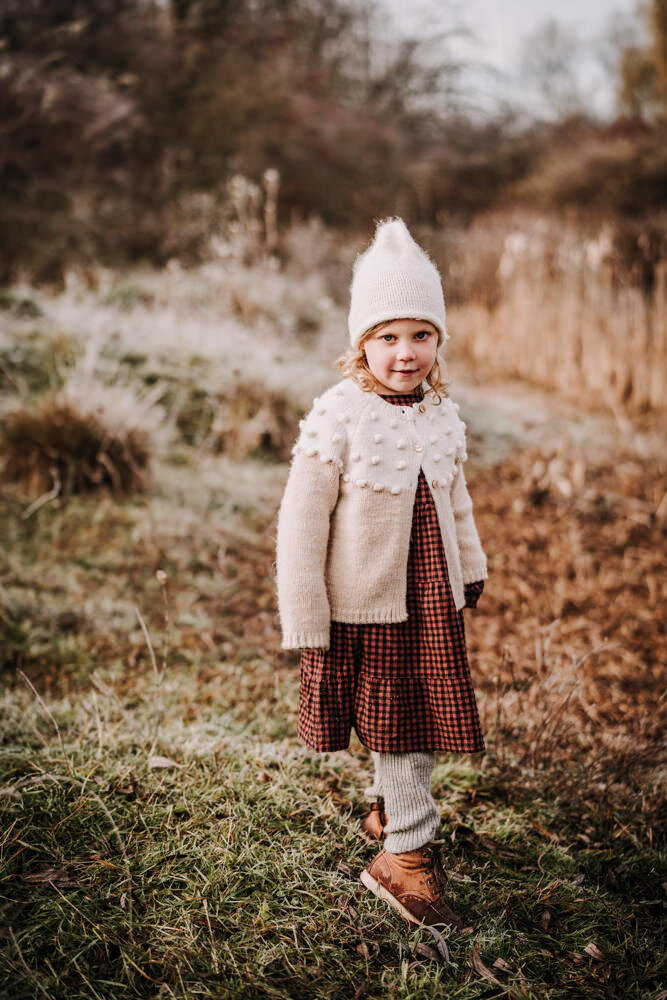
404 398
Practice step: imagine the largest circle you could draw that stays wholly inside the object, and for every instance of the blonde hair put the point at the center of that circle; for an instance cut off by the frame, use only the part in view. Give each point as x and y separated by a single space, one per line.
353 364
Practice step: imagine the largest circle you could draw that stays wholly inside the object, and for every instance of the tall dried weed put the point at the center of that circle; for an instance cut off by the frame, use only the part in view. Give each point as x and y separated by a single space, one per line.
566 309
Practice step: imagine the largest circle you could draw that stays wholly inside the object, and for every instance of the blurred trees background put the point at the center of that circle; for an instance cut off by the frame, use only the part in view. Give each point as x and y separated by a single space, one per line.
122 121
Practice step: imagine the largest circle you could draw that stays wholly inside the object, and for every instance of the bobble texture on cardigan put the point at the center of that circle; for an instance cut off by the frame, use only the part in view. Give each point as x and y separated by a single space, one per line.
345 519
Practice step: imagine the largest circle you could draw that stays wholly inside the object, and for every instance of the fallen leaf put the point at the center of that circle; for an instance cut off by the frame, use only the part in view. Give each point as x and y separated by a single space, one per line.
593 950
55 876
576 957
362 948
440 944
165 762
454 876
362 990
344 869
425 951
501 964
545 919
495 847
480 968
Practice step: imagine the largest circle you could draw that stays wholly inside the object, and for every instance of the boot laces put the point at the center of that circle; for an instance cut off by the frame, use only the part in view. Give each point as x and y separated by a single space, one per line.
437 873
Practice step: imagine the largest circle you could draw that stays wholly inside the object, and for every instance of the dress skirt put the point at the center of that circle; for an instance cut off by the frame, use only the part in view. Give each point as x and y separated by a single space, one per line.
404 686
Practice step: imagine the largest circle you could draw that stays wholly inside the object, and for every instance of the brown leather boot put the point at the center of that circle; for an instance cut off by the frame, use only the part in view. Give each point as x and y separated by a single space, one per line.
376 821
413 884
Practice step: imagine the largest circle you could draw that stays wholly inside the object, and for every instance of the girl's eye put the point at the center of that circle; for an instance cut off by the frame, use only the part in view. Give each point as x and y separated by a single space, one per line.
423 334
387 337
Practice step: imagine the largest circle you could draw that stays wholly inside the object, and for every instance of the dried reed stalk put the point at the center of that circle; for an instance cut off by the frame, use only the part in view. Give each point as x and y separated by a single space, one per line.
580 331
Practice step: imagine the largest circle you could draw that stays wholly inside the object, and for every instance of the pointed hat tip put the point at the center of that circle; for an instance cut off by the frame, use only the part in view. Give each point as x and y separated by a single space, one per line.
393 234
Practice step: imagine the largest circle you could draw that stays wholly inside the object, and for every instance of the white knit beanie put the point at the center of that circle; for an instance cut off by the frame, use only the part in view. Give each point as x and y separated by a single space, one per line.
394 279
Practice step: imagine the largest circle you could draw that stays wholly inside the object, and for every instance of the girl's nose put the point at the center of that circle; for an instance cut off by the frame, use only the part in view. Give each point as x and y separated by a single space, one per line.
405 351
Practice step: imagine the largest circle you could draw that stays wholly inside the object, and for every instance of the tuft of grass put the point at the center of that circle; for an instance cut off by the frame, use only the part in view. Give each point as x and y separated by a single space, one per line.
82 439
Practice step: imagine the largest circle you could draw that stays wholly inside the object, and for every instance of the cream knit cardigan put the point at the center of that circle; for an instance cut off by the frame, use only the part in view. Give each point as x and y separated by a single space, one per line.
346 516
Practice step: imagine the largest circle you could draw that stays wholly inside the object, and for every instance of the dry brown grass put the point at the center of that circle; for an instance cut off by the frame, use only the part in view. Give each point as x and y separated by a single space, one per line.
568 643
565 309
253 420
66 449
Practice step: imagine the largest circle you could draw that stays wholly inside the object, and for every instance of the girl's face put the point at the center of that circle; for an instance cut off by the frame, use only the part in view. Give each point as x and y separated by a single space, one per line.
401 354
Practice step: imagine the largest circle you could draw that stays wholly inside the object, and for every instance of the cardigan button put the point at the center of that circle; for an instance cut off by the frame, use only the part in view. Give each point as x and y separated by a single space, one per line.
419 446
422 408
435 484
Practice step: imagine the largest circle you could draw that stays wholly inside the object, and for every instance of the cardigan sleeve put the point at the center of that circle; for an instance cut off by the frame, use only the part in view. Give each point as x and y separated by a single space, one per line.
473 560
304 519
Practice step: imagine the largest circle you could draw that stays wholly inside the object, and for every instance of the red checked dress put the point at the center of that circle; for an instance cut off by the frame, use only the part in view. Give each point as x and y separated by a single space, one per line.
405 686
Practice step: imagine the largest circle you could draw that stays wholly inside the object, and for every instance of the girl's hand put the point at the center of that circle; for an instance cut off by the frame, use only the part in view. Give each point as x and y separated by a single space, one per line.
473 592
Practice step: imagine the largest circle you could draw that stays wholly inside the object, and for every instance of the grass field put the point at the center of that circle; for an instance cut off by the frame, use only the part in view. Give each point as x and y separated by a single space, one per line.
164 834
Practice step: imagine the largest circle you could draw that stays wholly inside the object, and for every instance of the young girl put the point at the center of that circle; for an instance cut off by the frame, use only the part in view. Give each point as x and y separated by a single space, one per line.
377 555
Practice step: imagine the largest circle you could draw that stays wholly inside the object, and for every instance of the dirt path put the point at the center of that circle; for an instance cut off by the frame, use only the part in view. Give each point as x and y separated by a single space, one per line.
504 414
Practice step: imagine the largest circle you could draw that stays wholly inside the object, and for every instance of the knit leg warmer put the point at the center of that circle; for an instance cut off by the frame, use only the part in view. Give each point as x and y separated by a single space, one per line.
374 791
412 815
